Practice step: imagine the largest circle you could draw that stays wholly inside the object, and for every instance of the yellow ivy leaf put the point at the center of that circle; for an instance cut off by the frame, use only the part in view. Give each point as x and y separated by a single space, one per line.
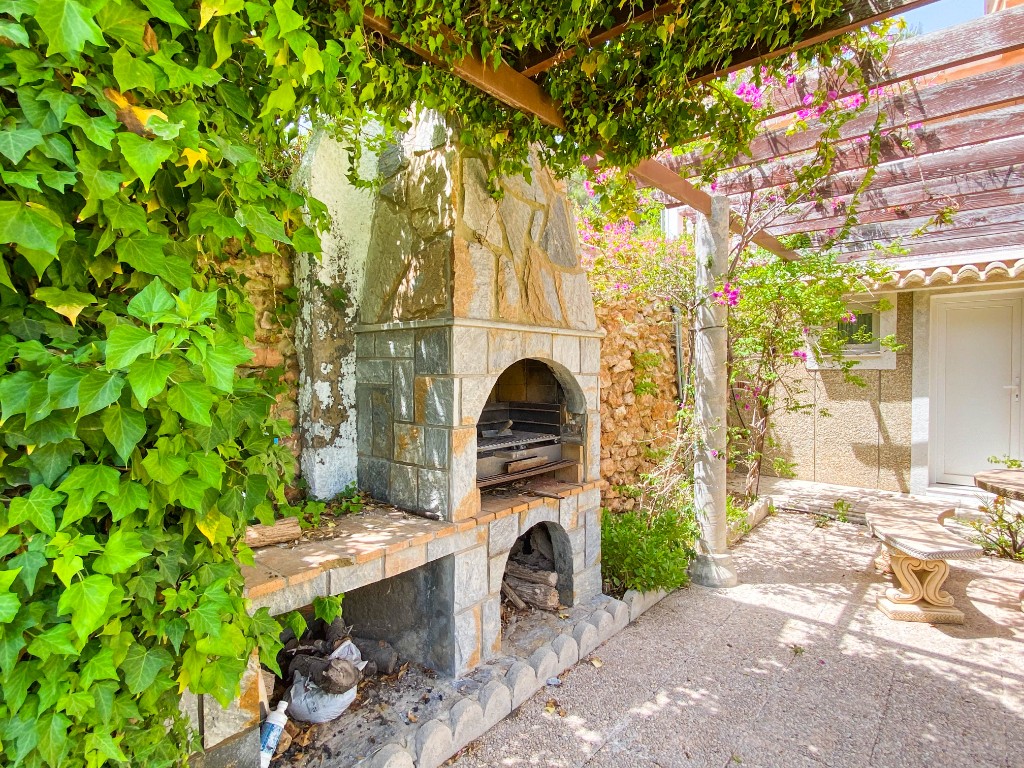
191 157
67 303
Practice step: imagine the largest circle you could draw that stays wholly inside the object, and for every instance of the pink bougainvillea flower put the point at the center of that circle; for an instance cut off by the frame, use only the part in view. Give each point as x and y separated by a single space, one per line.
849 317
800 354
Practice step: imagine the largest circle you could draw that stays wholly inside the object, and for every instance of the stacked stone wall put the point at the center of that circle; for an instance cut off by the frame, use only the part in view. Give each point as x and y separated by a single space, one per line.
638 394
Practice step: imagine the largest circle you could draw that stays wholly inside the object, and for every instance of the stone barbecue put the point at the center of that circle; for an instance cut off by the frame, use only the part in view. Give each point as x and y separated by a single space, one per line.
470 330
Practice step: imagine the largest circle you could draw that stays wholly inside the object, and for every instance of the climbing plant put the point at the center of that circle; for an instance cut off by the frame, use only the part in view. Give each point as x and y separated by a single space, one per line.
144 155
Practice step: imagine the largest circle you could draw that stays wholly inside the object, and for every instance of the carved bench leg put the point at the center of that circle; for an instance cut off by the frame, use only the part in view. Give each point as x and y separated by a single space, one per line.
921 597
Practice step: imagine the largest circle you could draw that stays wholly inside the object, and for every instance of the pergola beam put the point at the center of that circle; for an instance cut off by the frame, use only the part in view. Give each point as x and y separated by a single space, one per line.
984 221
929 159
960 246
991 35
989 90
986 189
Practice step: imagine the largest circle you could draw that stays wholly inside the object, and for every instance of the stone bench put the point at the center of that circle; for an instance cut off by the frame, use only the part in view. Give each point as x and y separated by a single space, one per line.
917 548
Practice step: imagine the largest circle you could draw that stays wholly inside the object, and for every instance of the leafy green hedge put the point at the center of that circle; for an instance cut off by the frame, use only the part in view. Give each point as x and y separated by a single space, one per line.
645 551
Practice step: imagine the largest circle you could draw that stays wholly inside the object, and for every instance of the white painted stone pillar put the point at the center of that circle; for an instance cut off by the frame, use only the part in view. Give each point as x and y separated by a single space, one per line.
713 566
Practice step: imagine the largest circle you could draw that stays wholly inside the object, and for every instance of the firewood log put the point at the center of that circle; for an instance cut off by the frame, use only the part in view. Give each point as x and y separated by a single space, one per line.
539 595
534 575
282 531
381 653
513 598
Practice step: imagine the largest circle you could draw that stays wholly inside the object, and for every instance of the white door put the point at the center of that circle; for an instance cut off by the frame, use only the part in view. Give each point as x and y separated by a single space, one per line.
976 384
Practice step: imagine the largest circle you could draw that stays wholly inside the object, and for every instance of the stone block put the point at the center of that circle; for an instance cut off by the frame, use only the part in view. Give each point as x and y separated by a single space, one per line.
373 372
495 700
574 291
537 345
403 490
604 623
545 512
497 572
521 679
404 392
641 602
466 721
382 433
578 542
589 499
394 344
545 663
391 756
503 349
434 401
341 580
456 542
517 217
568 651
436 447
593 536
293 596
475 390
590 355
220 723
433 490
587 583
593 462
433 351
472 582
490 627
467 639
502 534
374 475
409 443
559 238
567 509
469 350
241 750
462 481
565 350
433 744
480 211
591 390
476 275
365 345
586 637
619 612
404 560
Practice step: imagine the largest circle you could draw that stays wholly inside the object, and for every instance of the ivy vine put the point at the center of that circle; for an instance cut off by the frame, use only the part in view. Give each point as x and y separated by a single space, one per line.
141 143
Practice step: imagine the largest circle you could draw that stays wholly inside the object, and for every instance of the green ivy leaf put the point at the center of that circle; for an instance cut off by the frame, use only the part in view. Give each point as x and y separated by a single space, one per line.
99 667
59 640
122 551
222 358
144 156
98 390
15 144
260 221
131 73
31 226
14 32
148 377
127 499
36 508
124 429
9 602
62 386
152 304
68 26
125 343
142 665
146 254
165 11
87 602
164 467
193 400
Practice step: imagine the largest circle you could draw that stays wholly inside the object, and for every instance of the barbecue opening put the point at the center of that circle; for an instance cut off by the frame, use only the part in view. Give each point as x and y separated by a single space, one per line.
529 427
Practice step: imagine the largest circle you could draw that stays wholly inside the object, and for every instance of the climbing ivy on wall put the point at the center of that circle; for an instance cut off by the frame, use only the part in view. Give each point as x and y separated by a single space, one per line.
140 149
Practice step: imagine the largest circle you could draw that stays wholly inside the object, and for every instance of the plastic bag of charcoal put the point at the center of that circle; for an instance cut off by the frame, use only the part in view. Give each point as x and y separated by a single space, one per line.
323 670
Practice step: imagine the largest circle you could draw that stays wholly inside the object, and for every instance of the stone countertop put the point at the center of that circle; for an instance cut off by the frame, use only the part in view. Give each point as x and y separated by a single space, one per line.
380 533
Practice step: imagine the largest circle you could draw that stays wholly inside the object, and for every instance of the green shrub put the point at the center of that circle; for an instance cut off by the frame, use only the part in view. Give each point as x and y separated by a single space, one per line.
1001 531
644 551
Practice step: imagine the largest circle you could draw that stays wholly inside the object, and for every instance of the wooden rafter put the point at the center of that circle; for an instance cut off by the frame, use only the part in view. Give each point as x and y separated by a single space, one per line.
963 244
985 189
990 35
931 157
539 62
989 90
984 221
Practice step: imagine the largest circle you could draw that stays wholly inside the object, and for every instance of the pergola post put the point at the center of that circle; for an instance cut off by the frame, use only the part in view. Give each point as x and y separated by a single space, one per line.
713 566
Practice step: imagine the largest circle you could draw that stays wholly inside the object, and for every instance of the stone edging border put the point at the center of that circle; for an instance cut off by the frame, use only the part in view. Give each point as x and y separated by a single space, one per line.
439 739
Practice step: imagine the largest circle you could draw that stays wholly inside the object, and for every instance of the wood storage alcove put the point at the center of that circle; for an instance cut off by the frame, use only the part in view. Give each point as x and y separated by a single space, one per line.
538 571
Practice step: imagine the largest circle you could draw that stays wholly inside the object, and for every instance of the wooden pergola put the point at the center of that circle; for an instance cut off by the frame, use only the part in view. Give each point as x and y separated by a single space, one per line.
968 153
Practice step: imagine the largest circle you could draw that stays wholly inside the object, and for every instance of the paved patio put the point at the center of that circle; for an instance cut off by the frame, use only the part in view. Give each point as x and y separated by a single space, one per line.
794 667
